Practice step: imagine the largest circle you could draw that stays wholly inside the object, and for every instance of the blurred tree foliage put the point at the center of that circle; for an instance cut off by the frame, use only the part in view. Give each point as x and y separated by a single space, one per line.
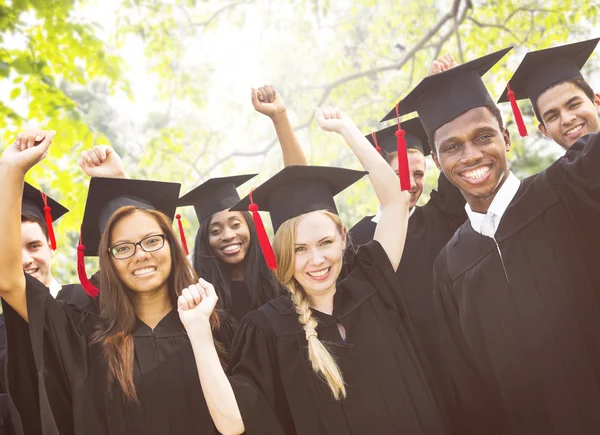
202 57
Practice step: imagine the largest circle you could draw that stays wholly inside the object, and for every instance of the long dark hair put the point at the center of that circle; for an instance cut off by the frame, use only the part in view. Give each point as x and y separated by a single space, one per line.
114 334
261 283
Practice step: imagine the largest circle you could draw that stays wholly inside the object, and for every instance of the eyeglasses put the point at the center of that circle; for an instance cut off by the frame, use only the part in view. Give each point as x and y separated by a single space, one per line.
122 251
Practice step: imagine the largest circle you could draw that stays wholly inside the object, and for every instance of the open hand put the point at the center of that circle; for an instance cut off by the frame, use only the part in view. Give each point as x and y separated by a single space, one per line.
268 101
441 64
102 161
196 304
28 149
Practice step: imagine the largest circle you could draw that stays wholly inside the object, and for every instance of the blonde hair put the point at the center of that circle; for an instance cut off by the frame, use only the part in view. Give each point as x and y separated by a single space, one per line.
323 362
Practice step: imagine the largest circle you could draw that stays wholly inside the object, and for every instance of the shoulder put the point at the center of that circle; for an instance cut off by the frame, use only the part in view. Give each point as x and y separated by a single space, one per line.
277 317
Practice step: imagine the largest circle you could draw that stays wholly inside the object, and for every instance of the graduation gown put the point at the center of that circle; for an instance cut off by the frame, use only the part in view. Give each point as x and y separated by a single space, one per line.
520 314
241 301
387 390
429 229
73 393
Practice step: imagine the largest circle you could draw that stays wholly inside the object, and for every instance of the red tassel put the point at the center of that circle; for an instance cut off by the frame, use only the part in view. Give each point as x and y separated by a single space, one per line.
48 217
516 112
87 285
377 147
182 234
263 238
403 170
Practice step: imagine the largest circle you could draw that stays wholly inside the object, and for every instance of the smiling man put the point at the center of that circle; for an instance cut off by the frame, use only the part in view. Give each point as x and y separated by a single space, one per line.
564 104
517 288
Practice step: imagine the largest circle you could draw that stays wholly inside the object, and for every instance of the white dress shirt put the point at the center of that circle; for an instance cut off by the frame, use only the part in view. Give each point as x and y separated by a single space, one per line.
378 214
54 288
487 224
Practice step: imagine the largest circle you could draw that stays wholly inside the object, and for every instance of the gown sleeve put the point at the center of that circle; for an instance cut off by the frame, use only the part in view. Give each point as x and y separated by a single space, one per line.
253 376
54 344
474 409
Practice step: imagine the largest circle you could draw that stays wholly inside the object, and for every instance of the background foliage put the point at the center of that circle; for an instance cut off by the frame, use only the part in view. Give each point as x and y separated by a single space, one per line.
167 82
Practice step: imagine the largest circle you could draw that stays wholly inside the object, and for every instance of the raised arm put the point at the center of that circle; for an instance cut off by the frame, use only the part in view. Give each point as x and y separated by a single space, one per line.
102 161
195 306
393 223
27 150
268 101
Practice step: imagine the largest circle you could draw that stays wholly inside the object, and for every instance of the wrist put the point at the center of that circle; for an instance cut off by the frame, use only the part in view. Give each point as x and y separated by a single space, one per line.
13 168
199 329
279 116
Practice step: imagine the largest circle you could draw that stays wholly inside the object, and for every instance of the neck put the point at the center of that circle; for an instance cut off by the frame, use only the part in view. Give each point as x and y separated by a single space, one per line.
151 307
49 280
482 204
322 302
238 271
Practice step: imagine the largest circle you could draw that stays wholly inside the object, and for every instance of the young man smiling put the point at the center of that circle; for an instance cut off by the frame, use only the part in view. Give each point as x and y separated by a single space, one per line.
517 288
564 104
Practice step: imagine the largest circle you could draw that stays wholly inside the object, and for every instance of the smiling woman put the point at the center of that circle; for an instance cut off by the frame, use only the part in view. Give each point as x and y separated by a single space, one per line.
130 368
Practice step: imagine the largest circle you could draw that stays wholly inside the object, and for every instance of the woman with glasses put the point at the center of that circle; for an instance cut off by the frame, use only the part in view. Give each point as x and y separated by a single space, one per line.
130 368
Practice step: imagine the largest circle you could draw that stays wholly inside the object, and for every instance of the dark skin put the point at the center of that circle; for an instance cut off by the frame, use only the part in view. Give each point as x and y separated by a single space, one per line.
471 151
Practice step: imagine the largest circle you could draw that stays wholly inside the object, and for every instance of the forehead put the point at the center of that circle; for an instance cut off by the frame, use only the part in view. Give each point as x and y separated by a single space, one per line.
313 227
224 216
558 95
465 124
135 227
31 231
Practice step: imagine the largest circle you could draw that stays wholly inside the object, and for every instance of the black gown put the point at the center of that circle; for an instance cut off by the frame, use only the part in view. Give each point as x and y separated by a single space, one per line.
429 229
520 315
387 390
9 420
72 374
241 301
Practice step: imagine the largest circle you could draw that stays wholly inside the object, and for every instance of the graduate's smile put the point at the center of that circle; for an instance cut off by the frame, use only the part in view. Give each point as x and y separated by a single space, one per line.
145 271
232 248
477 175
320 275
574 133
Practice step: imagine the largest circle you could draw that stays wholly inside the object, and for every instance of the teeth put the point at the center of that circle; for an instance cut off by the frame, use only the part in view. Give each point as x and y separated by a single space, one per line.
476 173
574 129
232 248
319 274
144 271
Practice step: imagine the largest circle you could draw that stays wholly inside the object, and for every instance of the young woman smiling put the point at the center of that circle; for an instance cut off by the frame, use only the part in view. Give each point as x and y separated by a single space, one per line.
130 369
333 356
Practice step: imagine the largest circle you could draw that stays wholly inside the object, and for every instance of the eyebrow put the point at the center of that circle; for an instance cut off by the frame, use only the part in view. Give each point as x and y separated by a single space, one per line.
151 233
31 242
554 109
324 238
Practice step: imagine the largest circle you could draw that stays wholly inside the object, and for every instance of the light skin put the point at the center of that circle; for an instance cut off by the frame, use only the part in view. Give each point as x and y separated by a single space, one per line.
36 253
568 114
102 161
319 252
417 166
441 64
471 151
267 101
229 239
145 274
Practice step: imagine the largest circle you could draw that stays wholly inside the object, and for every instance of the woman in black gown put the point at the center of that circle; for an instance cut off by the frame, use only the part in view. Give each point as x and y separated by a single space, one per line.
129 369
333 357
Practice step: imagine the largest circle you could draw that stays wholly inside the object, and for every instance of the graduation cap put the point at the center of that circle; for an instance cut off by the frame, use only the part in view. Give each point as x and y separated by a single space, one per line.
105 197
415 137
541 69
39 205
294 191
440 98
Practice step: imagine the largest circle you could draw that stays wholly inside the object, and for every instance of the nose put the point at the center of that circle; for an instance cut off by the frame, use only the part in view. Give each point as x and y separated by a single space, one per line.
140 254
471 153
316 258
227 234
567 117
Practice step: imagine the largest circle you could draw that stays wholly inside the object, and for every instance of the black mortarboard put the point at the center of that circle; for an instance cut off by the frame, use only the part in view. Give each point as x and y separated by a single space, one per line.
296 190
440 98
214 195
107 195
34 204
541 69
415 137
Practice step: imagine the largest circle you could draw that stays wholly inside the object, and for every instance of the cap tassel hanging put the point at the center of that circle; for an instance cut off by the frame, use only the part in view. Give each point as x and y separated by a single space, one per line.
516 112
182 234
48 218
87 285
263 238
377 147
403 171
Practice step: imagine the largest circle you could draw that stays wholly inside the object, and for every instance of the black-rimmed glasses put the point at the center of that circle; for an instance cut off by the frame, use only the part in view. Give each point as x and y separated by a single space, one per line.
122 251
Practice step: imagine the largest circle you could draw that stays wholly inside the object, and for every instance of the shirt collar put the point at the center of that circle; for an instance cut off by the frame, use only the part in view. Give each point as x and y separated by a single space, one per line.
378 214
54 287
499 204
